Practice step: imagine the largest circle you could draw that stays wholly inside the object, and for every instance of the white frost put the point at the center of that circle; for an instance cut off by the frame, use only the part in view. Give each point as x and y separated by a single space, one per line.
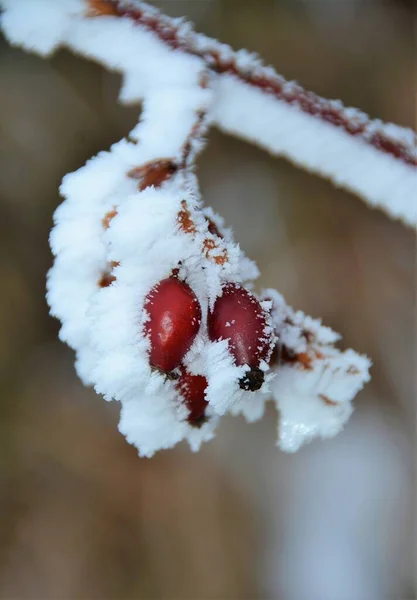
107 226
380 179
148 64
313 394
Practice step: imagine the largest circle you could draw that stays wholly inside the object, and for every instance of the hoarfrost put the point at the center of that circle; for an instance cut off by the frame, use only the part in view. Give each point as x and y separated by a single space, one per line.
133 216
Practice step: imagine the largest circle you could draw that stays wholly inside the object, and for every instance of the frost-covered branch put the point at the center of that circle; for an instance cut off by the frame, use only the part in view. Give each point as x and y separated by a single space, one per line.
154 294
376 161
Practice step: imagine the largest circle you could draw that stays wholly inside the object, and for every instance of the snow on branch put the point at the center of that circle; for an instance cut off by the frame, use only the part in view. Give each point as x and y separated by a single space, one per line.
154 294
376 161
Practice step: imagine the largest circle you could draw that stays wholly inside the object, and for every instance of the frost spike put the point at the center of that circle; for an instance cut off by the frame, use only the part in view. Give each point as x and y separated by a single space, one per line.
174 321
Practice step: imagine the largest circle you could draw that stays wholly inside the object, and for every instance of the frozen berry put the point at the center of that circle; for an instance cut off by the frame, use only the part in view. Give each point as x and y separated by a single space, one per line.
192 389
238 316
174 320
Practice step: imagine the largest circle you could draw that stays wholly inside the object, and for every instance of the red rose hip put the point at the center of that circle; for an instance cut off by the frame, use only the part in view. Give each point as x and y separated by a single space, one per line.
238 316
174 320
192 389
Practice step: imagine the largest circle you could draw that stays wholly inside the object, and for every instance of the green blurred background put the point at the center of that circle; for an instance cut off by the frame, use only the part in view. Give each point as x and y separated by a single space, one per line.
81 516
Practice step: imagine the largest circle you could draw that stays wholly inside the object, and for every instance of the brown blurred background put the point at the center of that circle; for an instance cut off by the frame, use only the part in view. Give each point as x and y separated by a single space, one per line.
82 516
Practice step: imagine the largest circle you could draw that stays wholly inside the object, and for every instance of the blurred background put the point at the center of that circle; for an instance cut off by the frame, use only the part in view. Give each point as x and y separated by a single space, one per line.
81 516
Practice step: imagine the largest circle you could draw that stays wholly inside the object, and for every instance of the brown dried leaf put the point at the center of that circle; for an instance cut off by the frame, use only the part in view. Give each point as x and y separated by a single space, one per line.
108 217
107 278
212 227
184 219
303 359
154 173
209 246
98 8
327 400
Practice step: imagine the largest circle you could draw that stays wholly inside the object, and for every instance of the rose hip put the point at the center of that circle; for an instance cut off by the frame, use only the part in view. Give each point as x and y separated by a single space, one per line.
238 316
192 388
174 321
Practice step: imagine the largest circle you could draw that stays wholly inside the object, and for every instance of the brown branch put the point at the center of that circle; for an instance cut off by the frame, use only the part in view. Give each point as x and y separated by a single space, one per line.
221 59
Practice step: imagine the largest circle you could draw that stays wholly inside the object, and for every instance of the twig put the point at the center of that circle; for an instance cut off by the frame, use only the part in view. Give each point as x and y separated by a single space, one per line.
139 219
376 161
250 70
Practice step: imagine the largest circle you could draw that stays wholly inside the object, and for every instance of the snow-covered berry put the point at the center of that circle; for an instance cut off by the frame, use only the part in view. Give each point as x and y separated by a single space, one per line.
174 320
239 317
192 390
